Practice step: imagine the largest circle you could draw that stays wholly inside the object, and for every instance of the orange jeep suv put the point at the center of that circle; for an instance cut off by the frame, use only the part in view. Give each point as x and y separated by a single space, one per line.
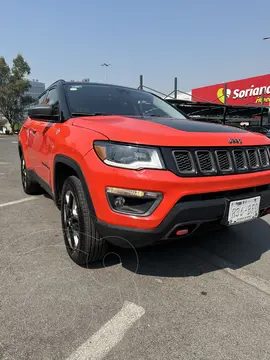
125 167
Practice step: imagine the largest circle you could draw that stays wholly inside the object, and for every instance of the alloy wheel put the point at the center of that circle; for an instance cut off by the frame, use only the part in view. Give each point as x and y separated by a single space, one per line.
71 220
24 173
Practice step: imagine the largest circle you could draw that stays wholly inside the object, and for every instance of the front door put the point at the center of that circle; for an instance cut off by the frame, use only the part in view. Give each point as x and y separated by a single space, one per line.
41 148
41 145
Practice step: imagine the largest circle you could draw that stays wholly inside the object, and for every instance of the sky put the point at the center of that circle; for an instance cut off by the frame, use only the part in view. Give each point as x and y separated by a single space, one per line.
201 42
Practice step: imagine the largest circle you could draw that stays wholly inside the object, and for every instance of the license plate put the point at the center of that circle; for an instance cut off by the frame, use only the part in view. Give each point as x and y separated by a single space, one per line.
244 210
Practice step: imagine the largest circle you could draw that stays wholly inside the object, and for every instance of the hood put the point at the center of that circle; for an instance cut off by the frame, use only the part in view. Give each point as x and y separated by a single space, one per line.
167 131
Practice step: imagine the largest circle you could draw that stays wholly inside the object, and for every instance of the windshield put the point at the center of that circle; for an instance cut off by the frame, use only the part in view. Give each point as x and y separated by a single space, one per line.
113 100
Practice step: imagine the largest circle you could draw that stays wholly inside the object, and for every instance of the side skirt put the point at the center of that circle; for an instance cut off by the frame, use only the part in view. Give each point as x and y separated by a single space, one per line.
42 183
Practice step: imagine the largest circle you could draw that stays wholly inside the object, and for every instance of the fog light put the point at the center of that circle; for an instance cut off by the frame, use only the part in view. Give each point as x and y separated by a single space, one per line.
133 202
119 202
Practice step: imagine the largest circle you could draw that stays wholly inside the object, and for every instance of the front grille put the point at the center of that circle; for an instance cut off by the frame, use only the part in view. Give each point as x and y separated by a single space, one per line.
264 157
240 159
184 161
205 161
253 158
224 160
221 161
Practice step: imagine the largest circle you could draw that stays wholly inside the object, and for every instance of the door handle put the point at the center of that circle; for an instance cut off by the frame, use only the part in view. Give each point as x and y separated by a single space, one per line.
33 131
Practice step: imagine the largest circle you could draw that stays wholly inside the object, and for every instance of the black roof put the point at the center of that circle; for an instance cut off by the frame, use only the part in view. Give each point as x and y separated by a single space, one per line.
99 84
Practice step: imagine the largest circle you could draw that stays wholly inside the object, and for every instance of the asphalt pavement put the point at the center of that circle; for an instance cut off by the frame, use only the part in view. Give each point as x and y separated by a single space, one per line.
202 298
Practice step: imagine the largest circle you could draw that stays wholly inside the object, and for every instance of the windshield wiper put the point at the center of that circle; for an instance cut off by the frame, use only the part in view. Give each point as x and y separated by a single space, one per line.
89 114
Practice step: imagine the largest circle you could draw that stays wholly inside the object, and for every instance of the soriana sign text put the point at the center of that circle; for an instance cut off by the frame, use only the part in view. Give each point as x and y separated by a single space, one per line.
240 92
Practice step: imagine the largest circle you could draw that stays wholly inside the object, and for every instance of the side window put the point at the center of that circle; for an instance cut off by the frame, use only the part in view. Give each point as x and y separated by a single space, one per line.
52 98
41 100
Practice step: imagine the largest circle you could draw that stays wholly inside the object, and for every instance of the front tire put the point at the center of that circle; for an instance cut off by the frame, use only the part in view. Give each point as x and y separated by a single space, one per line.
83 242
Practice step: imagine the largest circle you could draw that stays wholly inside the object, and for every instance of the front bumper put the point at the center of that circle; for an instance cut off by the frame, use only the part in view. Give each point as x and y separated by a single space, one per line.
194 215
176 191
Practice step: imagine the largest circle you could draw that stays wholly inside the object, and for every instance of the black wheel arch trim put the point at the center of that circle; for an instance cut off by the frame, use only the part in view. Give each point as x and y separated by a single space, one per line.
63 159
20 148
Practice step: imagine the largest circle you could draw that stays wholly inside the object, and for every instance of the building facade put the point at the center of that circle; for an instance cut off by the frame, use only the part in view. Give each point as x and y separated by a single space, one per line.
36 88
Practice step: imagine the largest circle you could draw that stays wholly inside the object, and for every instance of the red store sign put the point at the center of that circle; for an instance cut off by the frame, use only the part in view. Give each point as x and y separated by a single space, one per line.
240 92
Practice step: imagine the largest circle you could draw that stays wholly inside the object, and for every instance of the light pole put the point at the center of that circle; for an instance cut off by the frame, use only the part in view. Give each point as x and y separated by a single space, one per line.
106 68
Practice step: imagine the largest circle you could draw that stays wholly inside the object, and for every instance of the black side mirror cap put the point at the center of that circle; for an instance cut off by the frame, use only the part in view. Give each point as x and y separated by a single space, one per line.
42 112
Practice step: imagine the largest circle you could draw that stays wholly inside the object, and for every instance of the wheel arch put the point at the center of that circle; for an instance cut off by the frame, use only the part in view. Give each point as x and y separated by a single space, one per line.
23 152
65 166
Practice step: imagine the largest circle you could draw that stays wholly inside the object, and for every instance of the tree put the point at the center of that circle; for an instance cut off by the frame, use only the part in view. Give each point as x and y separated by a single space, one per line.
13 87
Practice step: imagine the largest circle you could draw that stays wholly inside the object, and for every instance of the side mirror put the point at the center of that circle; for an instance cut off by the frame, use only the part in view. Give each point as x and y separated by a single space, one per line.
42 112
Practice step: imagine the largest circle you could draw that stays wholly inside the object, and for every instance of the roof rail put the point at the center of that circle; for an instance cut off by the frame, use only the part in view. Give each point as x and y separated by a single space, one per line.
57 81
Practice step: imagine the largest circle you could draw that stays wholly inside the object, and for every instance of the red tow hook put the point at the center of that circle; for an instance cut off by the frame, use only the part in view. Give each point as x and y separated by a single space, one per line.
181 232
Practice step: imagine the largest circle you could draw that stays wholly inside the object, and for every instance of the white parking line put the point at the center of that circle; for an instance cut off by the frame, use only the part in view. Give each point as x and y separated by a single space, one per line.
14 142
99 345
241 274
3 163
18 201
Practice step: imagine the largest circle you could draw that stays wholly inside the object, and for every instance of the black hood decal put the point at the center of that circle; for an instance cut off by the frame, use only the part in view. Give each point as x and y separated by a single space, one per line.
190 125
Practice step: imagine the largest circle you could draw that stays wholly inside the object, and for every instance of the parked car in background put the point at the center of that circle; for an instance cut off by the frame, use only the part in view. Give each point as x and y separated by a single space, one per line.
125 167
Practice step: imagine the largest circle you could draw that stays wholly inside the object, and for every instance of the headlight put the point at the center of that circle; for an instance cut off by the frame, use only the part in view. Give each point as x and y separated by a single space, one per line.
129 156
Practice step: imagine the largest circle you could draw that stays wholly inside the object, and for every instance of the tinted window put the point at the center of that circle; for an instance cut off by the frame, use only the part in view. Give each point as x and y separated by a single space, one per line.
115 100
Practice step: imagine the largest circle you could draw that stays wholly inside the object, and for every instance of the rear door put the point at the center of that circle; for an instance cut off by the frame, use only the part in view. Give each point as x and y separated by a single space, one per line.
41 144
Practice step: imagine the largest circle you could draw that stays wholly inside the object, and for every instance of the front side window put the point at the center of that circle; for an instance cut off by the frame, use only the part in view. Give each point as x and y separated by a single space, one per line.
42 99
52 97
113 100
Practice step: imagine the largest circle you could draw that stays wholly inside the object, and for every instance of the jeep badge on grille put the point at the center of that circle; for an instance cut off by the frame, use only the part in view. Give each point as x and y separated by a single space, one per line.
235 141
